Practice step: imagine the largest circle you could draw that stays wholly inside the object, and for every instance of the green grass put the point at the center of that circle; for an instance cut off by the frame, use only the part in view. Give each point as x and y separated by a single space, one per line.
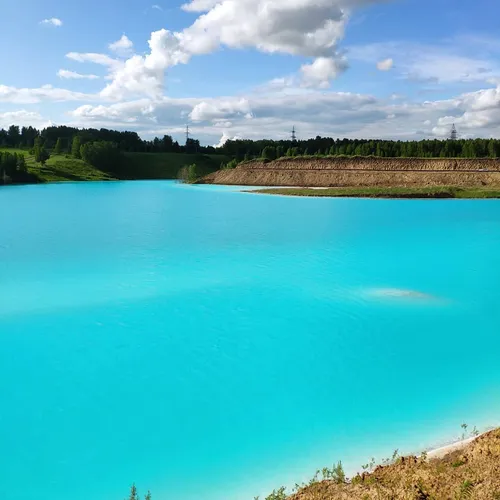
138 166
387 192
60 168
168 165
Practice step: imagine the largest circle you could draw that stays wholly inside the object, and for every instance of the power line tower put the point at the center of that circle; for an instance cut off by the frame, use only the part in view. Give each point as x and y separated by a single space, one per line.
453 133
187 134
294 135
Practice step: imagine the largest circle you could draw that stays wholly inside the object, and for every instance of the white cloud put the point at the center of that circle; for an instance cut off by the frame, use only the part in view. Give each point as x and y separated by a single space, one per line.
200 5
322 71
145 75
157 7
335 114
44 93
226 137
476 112
445 62
101 59
216 109
71 75
310 28
22 117
53 21
385 65
123 46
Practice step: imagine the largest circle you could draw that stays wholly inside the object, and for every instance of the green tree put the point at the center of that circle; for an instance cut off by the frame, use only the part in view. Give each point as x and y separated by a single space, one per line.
232 164
269 153
103 155
279 152
21 163
58 147
41 154
75 147
494 148
147 496
14 135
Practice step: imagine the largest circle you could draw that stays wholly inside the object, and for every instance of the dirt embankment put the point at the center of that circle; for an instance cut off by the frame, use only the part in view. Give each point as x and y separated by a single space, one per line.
361 171
470 473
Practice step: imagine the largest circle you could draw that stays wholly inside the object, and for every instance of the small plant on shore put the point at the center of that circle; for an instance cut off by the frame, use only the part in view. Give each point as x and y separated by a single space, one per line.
473 433
279 494
464 433
369 466
134 495
335 474
391 460
466 490
315 479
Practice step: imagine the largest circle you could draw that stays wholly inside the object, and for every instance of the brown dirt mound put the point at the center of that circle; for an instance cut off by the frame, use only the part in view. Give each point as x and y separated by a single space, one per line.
376 163
471 473
362 171
347 178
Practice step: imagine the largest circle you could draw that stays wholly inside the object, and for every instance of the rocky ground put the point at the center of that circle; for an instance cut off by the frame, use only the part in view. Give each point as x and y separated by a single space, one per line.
469 473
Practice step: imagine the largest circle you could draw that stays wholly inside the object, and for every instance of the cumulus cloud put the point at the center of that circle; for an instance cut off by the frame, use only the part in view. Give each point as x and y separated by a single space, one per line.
123 46
53 21
385 65
322 71
475 112
226 137
72 75
145 75
217 109
310 28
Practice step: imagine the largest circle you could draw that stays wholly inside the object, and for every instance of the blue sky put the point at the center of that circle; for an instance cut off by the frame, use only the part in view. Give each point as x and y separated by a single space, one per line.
400 69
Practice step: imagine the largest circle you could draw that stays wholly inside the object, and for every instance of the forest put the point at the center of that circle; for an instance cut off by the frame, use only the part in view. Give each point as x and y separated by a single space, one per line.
25 137
324 146
62 138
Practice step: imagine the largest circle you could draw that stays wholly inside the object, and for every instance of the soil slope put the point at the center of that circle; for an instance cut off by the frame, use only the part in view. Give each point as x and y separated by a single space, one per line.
362 171
470 473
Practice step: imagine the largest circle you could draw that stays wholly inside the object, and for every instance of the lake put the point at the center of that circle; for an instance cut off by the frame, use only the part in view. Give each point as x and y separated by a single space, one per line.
207 343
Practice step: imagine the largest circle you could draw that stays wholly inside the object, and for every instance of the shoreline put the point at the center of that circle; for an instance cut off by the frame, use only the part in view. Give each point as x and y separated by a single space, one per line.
449 192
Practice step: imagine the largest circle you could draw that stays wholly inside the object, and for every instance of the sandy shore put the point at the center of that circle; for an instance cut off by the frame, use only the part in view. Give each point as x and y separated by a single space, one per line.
444 450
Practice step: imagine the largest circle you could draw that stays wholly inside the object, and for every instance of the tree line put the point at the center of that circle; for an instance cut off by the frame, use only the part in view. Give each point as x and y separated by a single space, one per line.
61 140
25 137
325 146
13 165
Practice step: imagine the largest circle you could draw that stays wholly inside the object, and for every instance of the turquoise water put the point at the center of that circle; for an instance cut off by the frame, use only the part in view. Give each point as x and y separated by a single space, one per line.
211 344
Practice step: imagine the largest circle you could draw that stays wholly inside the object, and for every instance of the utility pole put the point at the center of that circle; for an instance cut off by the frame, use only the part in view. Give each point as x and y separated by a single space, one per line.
454 133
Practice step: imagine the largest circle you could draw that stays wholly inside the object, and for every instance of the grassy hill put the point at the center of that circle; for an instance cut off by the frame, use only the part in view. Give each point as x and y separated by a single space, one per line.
137 166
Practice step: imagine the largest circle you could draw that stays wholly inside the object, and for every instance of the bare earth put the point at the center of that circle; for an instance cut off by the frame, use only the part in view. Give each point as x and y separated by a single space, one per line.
362 171
466 470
